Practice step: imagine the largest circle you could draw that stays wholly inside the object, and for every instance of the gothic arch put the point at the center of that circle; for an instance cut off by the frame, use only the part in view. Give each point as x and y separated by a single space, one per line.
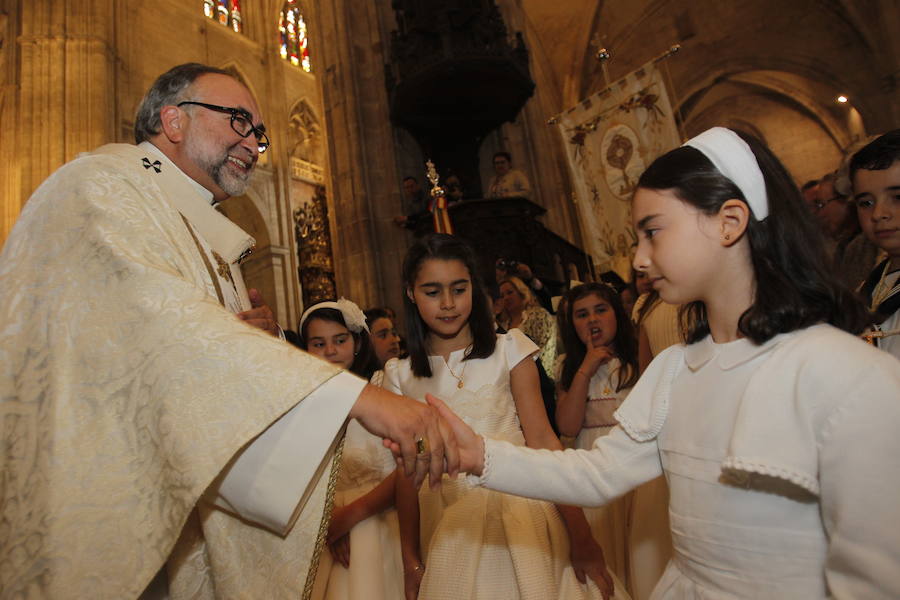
256 268
244 212
789 88
235 70
306 133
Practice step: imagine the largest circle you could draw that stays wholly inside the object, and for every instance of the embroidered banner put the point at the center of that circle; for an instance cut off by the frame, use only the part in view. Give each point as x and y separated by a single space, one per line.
610 138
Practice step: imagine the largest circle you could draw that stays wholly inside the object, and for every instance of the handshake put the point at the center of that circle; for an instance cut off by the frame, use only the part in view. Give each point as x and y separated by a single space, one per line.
427 439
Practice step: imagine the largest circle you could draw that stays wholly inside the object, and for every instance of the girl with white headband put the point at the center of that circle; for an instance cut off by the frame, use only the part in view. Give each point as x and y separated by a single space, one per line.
775 427
363 536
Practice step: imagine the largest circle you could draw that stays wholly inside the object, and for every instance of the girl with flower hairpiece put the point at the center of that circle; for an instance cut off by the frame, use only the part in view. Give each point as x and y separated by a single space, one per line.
363 535
775 427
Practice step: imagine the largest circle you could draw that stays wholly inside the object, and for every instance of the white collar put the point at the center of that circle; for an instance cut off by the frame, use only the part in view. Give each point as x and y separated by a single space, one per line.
729 355
226 238
205 193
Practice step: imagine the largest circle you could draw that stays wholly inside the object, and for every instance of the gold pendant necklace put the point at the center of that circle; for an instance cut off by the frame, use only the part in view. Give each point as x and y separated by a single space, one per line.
459 378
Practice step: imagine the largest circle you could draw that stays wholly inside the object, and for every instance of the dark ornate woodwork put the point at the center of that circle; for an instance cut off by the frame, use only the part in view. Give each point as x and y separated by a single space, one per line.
314 250
509 228
454 76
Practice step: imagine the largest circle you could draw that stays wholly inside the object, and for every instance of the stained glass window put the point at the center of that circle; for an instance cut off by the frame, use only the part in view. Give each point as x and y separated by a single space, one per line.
236 15
293 36
226 12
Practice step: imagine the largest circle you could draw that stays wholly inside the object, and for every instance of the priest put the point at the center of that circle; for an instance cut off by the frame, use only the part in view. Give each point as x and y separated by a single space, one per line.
155 428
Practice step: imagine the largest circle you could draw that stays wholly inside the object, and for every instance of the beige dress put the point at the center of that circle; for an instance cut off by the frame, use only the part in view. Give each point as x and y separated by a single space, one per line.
480 544
609 523
376 566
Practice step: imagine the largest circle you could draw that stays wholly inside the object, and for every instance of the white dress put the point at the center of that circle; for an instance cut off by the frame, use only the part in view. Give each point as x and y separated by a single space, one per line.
376 566
609 523
781 461
480 544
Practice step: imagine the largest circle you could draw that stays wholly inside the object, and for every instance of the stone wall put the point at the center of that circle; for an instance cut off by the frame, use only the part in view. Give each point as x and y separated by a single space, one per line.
72 74
75 72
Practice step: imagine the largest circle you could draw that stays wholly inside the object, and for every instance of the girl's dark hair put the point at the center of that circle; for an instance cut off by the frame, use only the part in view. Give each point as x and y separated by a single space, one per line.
624 344
645 309
794 287
481 322
373 314
365 363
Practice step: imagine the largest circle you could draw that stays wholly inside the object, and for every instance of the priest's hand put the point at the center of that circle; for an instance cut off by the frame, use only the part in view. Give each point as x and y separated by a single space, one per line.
260 315
404 421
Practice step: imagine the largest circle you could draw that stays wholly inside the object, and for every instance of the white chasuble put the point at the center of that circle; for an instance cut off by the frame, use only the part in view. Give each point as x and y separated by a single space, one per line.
132 403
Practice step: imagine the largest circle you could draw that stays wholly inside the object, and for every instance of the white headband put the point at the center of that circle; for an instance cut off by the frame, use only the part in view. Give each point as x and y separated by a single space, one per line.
735 160
353 316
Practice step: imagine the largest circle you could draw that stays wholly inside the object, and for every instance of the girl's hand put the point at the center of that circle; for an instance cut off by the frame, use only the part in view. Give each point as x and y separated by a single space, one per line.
596 356
470 444
403 420
587 560
412 579
340 550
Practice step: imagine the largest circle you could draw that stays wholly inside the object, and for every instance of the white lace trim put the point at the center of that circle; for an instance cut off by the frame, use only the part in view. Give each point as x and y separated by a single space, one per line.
479 480
803 480
658 404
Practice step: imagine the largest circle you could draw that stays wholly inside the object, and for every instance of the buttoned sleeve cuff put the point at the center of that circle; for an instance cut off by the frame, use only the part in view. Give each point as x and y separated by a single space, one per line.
269 480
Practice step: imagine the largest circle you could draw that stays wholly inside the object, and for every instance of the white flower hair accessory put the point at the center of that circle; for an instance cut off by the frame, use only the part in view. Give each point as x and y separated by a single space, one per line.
353 316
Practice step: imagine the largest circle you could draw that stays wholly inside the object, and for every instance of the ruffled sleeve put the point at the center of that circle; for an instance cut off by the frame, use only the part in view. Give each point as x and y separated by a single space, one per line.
643 414
516 347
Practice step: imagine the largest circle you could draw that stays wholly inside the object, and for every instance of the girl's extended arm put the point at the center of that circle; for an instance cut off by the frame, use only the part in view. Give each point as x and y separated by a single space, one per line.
586 554
408 516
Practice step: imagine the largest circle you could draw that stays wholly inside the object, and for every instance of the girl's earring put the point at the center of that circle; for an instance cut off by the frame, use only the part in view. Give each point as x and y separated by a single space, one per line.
727 236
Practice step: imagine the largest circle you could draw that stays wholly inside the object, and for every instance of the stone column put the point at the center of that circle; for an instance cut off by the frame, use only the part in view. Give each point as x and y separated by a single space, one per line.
364 188
65 92
9 199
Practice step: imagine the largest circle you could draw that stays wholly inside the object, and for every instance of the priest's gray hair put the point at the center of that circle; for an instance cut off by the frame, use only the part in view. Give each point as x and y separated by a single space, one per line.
167 90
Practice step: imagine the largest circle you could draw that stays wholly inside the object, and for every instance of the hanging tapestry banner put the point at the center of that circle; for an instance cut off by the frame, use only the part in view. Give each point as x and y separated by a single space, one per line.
610 138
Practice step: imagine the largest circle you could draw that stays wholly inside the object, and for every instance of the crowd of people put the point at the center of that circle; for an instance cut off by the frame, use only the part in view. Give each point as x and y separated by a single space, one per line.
718 426
603 337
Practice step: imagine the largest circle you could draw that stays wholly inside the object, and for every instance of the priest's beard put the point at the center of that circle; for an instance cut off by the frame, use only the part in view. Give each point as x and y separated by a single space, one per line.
228 177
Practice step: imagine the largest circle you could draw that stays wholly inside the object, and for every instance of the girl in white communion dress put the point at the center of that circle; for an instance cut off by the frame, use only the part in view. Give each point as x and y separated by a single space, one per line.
775 427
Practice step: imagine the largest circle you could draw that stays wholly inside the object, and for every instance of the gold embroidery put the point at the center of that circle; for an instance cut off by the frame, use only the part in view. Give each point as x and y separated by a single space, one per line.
322 536
206 263
224 269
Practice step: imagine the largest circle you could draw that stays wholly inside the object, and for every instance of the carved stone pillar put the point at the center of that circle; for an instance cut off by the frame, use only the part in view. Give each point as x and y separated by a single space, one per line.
364 188
9 201
64 97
